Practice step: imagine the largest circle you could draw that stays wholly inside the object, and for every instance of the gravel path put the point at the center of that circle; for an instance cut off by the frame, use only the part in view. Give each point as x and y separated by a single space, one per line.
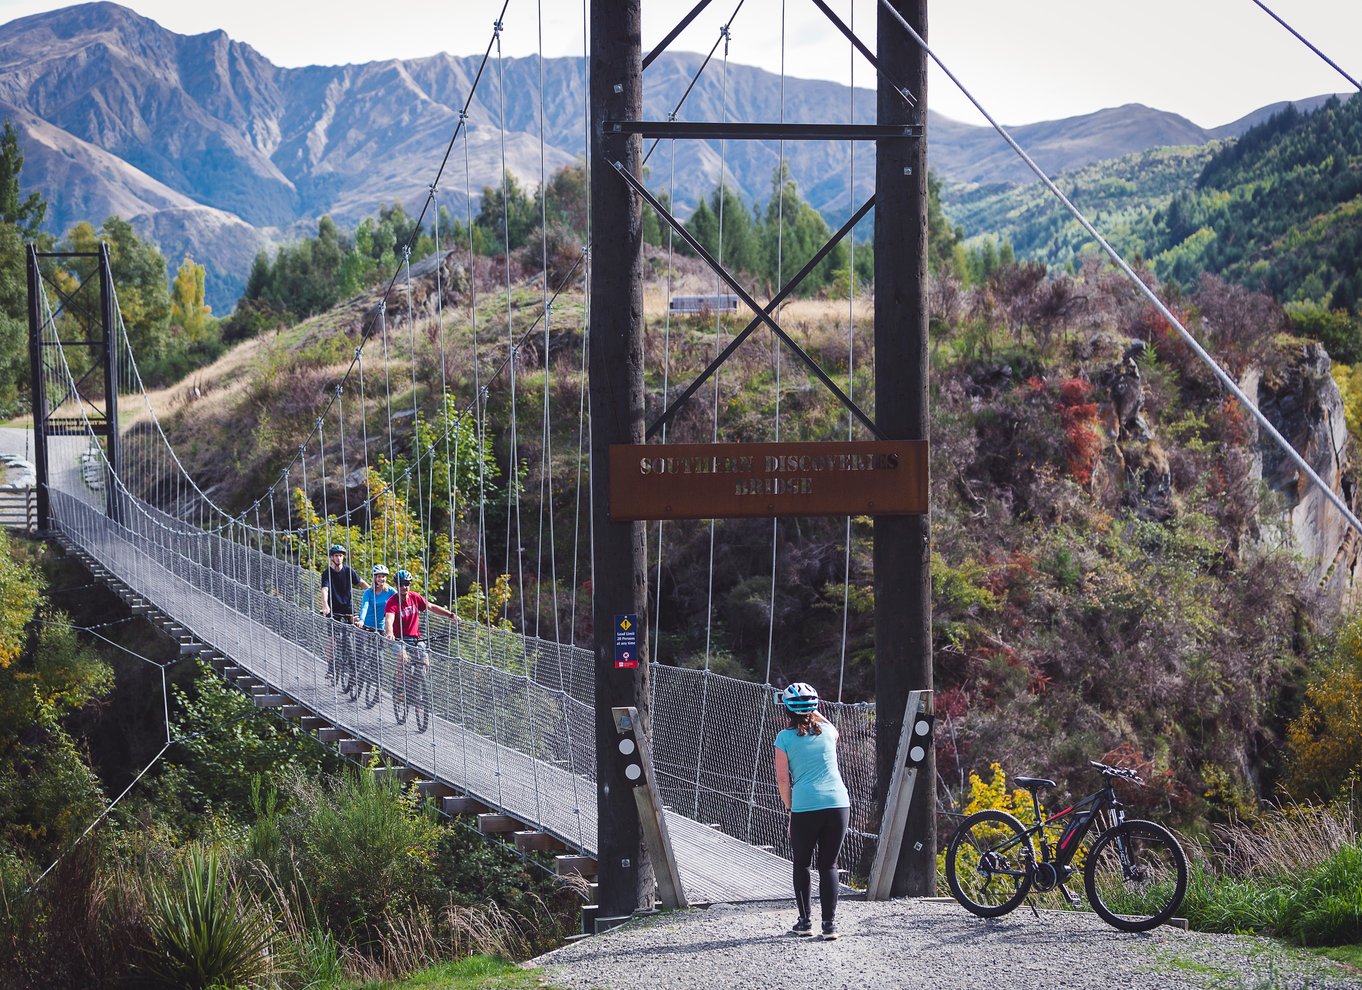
927 945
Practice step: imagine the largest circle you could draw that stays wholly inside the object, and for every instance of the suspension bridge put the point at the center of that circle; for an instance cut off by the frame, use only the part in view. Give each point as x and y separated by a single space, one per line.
444 413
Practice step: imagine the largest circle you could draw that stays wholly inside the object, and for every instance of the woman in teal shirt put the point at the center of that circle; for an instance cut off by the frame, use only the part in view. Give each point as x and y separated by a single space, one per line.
820 808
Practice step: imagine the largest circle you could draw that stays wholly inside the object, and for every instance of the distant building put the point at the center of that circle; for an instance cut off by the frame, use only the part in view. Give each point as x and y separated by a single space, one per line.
722 303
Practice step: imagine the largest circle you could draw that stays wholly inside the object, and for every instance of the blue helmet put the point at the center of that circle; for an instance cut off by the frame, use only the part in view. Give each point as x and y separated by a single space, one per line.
799 698
404 577
336 548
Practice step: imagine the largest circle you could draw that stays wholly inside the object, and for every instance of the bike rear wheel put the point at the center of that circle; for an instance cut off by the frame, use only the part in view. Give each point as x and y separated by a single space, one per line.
369 681
401 704
345 671
418 688
1135 876
990 864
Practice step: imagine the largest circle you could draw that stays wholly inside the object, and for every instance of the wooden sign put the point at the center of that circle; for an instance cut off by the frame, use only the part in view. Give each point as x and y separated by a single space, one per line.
762 480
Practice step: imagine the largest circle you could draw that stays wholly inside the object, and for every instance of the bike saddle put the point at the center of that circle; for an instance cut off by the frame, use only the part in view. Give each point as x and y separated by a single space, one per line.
1033 784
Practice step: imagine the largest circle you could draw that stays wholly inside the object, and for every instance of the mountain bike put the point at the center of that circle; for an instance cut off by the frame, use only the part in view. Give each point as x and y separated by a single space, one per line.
369 671
1134 874
340 663
411 685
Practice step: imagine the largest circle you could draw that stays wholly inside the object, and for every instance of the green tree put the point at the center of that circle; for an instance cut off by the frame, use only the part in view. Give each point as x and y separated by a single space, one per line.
945 254
24 213
48 793
507 214
139 277
794 233
187 308
20 220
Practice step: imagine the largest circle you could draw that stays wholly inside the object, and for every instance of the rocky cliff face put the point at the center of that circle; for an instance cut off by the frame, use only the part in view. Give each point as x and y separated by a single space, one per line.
1299 397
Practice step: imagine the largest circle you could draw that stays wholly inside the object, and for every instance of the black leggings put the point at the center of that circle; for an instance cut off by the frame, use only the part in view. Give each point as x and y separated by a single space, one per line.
825 828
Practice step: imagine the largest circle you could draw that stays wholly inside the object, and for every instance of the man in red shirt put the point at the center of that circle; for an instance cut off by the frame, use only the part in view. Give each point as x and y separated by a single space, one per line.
402 624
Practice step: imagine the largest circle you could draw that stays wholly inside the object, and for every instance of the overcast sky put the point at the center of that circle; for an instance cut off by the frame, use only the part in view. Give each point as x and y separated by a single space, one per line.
1210 60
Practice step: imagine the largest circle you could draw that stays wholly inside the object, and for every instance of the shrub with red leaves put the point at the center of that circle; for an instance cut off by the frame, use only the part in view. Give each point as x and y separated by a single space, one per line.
1082 431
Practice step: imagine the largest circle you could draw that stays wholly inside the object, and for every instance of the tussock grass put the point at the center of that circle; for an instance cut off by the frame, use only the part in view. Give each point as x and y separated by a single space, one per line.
1296 873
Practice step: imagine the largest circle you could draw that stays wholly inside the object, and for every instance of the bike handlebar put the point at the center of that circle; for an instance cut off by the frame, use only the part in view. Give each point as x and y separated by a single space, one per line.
1125 773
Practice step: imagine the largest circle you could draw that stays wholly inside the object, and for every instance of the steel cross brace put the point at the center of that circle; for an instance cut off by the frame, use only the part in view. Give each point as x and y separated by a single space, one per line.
762 312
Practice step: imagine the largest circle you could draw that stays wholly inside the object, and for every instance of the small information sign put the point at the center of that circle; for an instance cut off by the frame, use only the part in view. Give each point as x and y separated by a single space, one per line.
626 641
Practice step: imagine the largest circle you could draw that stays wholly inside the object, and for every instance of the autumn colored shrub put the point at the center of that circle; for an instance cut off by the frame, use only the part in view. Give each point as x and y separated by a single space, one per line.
1325 740
1082 429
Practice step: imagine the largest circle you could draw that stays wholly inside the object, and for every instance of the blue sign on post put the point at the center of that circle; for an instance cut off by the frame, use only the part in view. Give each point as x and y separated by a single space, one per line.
626 641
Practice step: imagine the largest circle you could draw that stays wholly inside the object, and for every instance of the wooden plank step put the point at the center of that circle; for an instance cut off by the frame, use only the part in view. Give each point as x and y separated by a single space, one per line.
534 841
330 735
293 711
269 700
494 824
354 747
433 789
459 805
583 865
403 774
313 722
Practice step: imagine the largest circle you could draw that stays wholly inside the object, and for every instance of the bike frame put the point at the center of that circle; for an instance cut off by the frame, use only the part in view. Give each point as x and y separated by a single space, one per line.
1082 814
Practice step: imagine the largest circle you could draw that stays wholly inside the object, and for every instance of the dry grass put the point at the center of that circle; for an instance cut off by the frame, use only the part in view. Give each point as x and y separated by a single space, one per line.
1288 842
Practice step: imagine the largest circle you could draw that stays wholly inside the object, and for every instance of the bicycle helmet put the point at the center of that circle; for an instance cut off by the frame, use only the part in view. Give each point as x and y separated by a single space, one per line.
380 569
336 548
404 577
799 698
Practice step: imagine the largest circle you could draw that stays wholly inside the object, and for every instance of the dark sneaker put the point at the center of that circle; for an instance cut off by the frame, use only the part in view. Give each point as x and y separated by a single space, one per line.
803 927
830 933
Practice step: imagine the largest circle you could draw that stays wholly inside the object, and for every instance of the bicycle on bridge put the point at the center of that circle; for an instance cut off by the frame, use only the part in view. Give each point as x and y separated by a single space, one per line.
411 683
1134 874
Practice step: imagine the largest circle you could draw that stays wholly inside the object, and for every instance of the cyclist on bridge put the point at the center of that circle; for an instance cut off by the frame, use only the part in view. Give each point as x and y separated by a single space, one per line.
375 601
820 808
402 624
339 581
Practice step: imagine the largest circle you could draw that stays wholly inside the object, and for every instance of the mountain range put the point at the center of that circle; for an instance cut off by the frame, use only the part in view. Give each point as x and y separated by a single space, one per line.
215 152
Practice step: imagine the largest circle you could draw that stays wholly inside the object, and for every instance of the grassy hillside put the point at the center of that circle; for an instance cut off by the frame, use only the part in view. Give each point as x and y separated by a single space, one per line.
1279 210
1075 614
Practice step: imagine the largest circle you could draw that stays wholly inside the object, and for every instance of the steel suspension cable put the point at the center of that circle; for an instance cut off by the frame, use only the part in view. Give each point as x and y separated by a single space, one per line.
1135 280
1307 43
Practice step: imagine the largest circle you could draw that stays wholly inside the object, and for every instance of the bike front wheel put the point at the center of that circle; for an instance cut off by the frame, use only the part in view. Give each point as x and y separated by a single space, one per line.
990 864
419 690
1135 876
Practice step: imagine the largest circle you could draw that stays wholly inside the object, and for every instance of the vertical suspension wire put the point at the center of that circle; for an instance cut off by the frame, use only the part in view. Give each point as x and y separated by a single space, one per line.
444 417
513 371
546 443
851 364
718 348
583 422
777 352
666 389
414 467
775 522
481 573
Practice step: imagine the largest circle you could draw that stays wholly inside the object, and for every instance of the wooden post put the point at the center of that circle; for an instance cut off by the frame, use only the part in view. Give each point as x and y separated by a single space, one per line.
615 339
649 800
900 800
903 634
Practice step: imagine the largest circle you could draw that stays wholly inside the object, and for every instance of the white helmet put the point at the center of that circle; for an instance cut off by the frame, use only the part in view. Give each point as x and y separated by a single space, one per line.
380 569
799 698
